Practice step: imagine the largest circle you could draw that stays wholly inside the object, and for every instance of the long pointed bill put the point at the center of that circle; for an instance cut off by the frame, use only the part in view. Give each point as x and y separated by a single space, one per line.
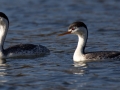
64 33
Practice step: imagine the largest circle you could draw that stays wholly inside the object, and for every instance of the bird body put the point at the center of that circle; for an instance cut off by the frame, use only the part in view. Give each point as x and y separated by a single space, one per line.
17 50
80 29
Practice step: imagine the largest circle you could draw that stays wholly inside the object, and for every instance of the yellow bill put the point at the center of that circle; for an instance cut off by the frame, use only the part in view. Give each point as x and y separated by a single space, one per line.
64 33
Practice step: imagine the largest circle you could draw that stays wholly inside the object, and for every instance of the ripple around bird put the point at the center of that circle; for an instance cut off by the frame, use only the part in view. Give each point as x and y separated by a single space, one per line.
39 22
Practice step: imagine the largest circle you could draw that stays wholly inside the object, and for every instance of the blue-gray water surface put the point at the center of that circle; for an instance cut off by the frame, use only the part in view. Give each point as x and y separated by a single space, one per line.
39 22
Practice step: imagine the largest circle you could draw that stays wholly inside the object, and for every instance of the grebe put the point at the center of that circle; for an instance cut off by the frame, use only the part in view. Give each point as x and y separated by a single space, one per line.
80 29
22 50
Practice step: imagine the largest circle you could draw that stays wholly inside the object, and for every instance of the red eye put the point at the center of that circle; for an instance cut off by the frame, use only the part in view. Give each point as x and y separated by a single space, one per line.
73 28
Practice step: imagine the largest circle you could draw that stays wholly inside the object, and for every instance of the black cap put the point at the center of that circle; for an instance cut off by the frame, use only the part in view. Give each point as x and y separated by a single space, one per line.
77 24
4 16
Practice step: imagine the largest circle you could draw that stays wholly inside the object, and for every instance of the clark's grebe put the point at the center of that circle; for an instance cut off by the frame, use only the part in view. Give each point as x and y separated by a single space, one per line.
80 29
17 50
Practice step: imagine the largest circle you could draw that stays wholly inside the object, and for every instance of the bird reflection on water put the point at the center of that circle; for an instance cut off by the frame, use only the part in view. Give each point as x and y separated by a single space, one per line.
2 71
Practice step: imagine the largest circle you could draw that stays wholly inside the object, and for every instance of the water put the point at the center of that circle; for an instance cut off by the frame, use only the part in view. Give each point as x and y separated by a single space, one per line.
40 21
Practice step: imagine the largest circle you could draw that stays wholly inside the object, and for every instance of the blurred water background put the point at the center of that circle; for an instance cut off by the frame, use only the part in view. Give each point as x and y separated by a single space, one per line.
39 22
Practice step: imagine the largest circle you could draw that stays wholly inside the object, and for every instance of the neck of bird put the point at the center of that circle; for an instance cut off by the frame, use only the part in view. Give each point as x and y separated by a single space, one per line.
3 32
80 45
79 52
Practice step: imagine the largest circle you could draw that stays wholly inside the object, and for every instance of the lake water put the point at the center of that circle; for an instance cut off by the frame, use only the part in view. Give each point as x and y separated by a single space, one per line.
39 22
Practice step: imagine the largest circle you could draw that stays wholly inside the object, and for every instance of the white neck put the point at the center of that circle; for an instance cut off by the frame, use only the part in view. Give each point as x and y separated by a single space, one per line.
79 52
3 32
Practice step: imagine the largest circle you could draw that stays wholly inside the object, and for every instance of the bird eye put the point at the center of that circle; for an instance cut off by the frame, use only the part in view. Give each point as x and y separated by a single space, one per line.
73 28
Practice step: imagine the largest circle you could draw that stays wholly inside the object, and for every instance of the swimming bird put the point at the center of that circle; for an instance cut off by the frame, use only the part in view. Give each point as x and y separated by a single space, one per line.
21 50
80 29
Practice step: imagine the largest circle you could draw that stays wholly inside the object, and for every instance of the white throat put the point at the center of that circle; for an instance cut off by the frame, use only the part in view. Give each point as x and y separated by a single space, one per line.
3 32
79 52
